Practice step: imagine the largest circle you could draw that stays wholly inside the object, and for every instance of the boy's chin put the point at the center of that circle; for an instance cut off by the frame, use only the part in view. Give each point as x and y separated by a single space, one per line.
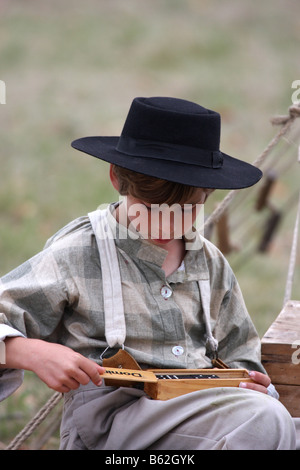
161 241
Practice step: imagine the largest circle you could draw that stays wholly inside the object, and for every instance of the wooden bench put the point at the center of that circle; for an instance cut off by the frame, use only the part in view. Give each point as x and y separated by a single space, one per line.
281 355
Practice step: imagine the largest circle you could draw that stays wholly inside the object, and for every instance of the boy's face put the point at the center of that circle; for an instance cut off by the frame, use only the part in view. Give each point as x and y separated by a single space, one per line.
163 223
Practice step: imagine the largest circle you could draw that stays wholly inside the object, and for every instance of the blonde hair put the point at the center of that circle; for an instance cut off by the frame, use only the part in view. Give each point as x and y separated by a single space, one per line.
150 189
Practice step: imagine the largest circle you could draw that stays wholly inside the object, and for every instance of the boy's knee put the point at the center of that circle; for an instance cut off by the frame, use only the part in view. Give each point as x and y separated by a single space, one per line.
273 425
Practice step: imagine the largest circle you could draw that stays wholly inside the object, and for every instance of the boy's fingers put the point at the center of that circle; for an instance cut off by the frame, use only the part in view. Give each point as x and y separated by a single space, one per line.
94 371
254 386
260 378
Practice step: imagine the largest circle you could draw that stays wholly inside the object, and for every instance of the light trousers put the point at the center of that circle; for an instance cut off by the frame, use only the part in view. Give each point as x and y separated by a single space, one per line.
222 418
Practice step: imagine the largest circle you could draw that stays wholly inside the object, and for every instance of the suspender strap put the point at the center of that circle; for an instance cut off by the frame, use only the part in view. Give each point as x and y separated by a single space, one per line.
115 329
204 287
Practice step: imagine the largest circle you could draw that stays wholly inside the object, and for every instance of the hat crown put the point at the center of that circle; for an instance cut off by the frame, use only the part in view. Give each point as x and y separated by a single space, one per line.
173 120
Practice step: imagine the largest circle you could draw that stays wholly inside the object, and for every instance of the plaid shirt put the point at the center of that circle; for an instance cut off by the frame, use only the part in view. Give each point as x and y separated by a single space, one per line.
57 296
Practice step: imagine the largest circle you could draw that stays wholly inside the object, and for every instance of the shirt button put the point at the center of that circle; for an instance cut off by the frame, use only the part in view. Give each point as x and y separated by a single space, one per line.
166 292
177 350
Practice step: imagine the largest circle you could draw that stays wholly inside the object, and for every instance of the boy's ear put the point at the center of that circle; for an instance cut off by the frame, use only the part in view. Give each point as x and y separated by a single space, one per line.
114 180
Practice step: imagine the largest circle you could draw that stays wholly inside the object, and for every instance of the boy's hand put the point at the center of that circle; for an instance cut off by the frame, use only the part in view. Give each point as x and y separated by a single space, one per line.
61 368
261 382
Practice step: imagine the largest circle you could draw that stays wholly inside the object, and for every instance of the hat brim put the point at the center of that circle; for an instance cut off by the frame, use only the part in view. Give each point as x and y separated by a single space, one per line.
234 174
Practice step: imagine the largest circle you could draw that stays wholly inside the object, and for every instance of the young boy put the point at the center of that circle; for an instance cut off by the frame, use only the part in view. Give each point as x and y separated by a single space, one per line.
138 277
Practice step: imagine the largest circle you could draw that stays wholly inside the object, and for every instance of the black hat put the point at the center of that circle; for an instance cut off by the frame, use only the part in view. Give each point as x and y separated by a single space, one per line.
175 140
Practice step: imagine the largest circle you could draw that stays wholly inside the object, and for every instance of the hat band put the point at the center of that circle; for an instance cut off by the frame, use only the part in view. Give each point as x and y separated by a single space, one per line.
170 152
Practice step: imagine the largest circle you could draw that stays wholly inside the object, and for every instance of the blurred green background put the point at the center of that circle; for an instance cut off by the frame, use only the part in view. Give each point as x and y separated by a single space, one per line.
72 68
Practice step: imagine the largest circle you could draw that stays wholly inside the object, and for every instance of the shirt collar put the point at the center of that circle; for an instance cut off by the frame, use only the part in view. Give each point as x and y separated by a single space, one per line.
131 242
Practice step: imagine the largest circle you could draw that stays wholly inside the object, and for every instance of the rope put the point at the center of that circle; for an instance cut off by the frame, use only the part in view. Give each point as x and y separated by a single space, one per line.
286 122
292 263
34 423
294 112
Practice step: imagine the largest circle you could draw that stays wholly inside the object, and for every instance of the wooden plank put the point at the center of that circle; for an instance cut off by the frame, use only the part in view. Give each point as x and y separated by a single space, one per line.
286 328
280 357
290 398
278 346
282 372
277 349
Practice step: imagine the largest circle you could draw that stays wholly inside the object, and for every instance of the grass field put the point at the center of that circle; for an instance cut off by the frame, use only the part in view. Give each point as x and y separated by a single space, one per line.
72 69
